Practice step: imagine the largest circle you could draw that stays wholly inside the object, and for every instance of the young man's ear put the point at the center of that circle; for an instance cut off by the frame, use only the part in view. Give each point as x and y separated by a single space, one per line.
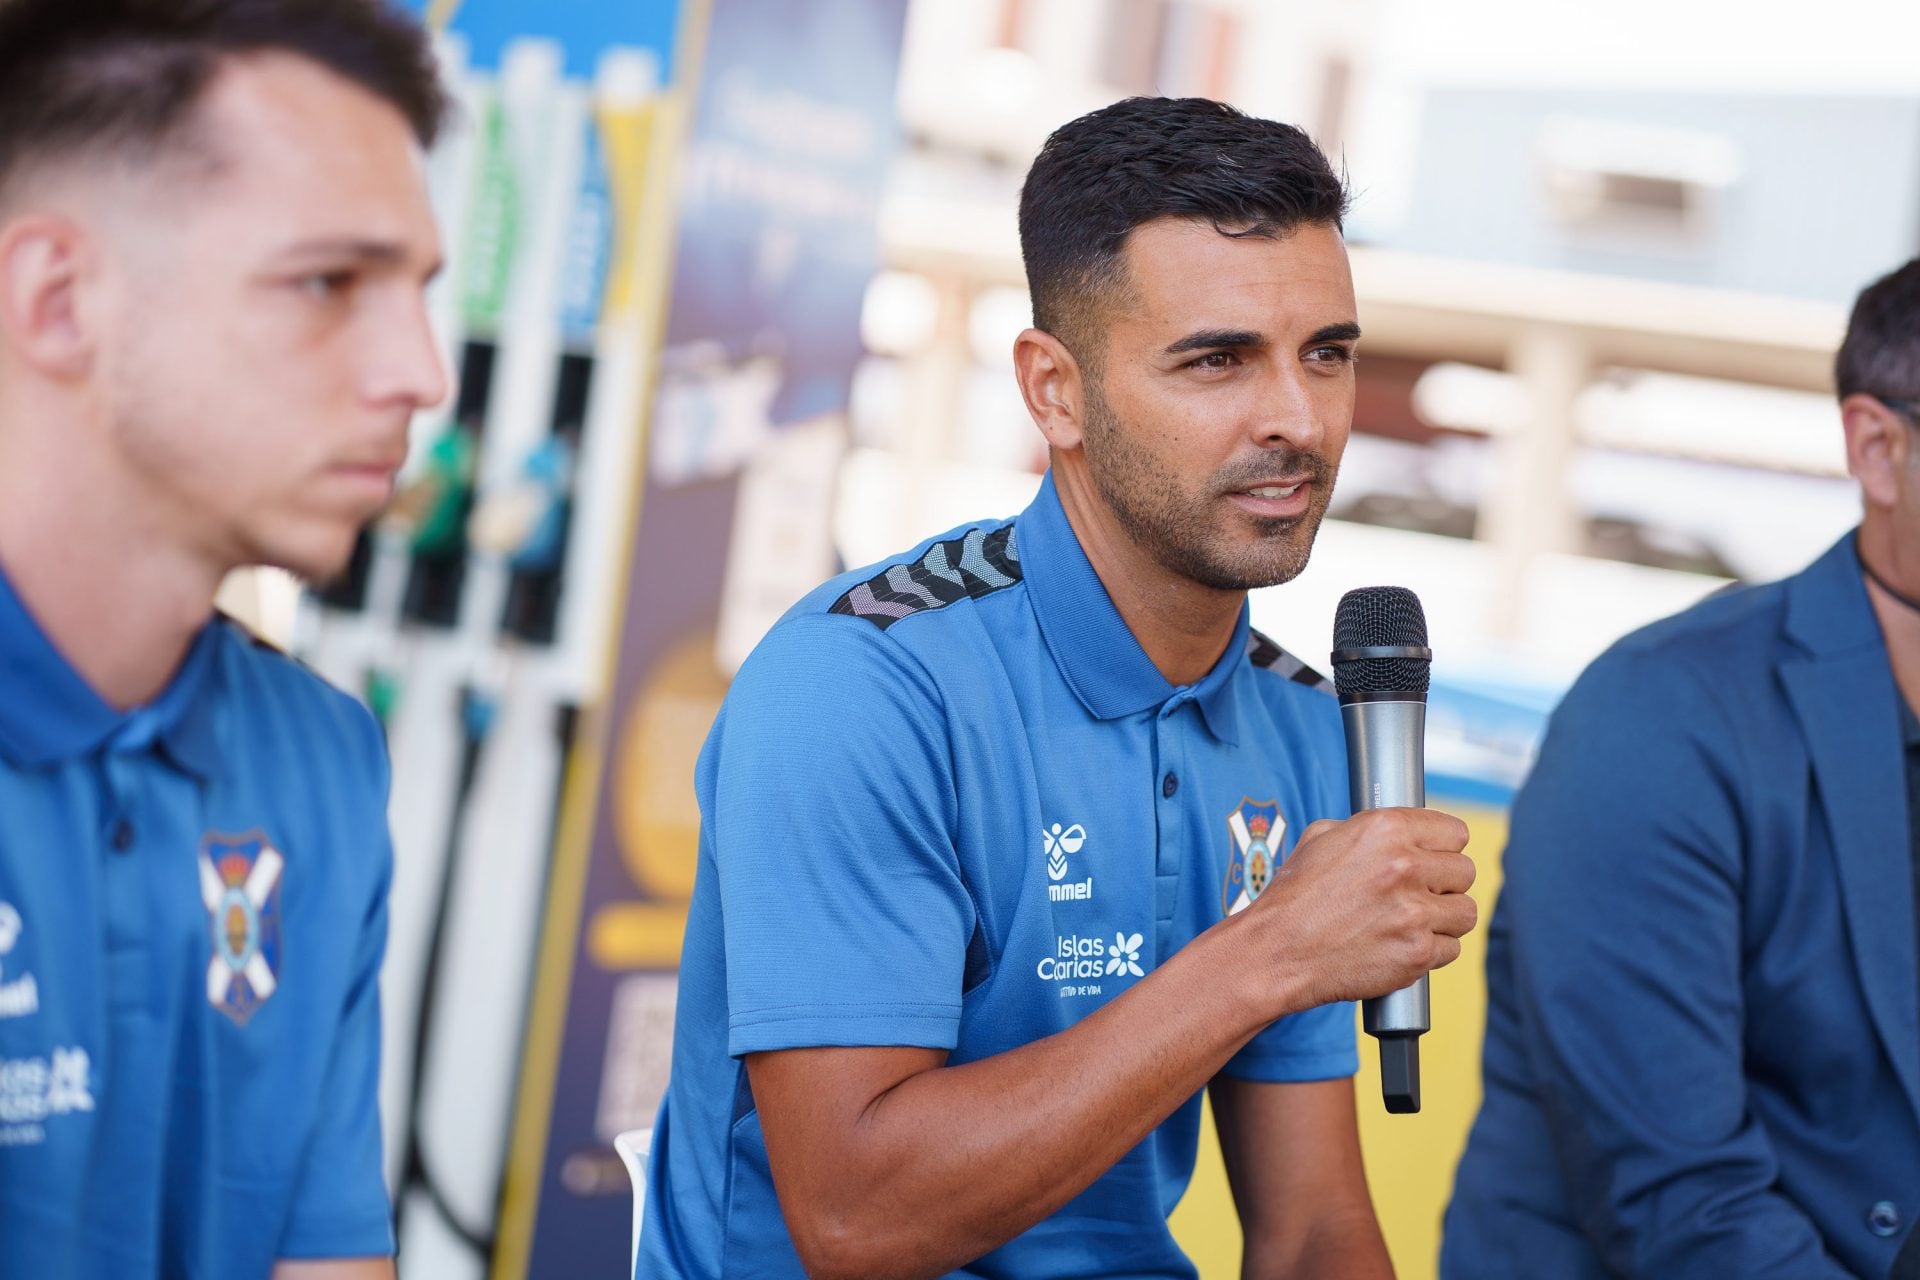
43 319
1051 384
1879 446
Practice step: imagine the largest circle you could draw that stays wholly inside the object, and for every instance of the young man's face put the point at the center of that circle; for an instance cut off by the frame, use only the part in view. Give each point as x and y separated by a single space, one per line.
265 339
1224 398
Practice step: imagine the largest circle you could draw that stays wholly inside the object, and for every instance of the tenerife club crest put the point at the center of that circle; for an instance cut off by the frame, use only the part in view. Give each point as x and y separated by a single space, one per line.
1256 827
240 884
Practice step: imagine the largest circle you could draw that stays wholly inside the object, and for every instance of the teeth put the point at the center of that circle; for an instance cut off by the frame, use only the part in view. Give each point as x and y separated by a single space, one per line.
1273 491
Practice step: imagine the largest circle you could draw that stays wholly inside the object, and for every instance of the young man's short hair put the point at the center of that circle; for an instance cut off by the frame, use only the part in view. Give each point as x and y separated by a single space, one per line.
120 79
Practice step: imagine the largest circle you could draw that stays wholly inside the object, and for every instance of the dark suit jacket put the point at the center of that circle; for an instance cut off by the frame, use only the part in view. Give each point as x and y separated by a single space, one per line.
1703 1026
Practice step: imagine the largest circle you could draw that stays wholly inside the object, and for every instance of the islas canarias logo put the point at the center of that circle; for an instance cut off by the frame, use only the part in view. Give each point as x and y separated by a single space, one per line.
1255 827
1081 957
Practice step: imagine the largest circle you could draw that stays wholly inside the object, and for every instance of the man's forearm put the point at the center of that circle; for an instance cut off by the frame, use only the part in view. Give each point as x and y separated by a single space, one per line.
334 1269
953 1162
1349 1246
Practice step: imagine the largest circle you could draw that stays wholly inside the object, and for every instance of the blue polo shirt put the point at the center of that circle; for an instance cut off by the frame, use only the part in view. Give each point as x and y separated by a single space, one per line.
192 915
950 802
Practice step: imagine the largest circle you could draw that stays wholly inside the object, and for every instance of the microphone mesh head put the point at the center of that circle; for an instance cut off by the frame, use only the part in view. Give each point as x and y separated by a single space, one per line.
1373 617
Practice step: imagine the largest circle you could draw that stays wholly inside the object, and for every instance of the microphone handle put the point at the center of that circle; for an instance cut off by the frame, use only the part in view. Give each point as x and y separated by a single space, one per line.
1386 768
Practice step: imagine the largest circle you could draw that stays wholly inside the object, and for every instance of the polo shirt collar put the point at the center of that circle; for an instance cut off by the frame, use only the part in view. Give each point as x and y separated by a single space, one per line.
1095 651
50 714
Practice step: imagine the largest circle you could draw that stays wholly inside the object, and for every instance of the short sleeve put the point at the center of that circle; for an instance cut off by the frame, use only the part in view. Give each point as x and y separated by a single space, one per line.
1314 1044
340 1205
828 803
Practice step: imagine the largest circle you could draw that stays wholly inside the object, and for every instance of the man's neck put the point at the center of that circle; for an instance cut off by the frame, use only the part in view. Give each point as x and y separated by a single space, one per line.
119 600
1899 624
1182 626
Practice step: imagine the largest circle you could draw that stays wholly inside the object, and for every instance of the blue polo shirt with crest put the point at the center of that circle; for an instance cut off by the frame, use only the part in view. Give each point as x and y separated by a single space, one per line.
950 802
192 916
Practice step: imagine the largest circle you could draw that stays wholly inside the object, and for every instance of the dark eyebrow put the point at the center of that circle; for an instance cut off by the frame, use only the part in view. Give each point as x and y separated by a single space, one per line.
1346 331
1215 340
382 252
373 253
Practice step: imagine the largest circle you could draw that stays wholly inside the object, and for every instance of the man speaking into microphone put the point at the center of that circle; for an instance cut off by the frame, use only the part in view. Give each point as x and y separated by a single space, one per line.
1013 844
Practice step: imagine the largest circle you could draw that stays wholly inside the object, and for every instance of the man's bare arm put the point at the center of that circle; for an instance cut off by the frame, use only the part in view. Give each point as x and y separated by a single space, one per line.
334 1269
1293 1158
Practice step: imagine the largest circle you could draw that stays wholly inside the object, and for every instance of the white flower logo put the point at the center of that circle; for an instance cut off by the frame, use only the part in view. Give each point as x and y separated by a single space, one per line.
1126 955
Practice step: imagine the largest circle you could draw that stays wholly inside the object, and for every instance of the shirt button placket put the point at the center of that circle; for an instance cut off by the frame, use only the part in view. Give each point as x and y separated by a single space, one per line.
123 885
1172 829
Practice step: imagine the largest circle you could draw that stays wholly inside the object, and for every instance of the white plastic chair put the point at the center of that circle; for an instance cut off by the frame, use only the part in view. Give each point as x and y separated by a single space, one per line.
633 1146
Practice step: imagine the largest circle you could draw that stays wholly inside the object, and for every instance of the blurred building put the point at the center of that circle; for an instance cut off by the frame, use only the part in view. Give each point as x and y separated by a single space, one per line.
1602 269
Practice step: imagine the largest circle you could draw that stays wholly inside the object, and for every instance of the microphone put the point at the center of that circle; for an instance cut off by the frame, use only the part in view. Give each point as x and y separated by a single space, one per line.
1381 667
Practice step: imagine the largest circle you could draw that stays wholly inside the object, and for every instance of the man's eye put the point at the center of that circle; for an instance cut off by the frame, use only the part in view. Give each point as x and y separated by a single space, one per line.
1215 360
324 286
1332 355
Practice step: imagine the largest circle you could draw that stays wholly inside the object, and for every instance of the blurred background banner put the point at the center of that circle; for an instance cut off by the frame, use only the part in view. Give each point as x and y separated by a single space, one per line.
583 29
731 297
790 138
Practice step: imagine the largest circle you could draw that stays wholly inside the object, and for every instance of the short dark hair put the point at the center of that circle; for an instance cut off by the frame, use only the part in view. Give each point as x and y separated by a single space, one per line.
1099 177
1881 353
122 77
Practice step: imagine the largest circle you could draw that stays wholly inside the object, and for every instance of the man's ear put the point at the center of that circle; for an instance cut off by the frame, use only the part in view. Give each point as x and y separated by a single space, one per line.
1051 383
1879 445
44 319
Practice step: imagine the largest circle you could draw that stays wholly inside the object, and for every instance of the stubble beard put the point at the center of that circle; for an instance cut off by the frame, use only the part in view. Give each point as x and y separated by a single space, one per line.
1178 528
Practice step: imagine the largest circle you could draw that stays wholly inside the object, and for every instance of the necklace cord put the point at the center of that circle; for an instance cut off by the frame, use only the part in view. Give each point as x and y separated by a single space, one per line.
1881 582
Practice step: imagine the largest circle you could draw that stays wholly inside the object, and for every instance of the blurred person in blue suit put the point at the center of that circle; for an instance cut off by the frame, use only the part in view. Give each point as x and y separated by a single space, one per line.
1703 1026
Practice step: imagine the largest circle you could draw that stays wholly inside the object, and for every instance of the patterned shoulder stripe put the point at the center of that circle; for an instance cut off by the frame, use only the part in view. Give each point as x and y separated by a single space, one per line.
1264 653
963 568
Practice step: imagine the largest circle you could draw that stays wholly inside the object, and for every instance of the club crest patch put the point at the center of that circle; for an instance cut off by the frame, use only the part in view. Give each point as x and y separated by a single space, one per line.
240 885
1255 827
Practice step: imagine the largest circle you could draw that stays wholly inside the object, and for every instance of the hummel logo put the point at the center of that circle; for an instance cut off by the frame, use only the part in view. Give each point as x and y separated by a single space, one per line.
21 996
1058 844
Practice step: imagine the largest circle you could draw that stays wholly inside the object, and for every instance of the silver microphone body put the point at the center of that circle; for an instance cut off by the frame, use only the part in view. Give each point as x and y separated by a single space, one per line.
1386 769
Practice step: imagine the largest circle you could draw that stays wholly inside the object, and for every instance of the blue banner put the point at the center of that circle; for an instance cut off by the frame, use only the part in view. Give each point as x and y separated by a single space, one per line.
780 187
584 28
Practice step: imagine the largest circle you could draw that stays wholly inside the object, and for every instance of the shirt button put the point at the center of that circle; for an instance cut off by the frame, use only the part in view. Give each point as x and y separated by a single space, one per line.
1169 785
1883 1219
122 837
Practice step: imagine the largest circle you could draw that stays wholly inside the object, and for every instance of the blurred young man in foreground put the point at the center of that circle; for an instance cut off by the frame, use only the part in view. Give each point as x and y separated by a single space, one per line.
214 238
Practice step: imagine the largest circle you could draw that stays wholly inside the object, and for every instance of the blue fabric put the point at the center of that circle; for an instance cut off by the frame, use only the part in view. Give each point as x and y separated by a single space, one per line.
879 866
165 1109
1703 1026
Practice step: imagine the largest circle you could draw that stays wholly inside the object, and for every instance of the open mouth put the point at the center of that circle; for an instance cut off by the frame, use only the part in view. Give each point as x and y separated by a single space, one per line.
1278 501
